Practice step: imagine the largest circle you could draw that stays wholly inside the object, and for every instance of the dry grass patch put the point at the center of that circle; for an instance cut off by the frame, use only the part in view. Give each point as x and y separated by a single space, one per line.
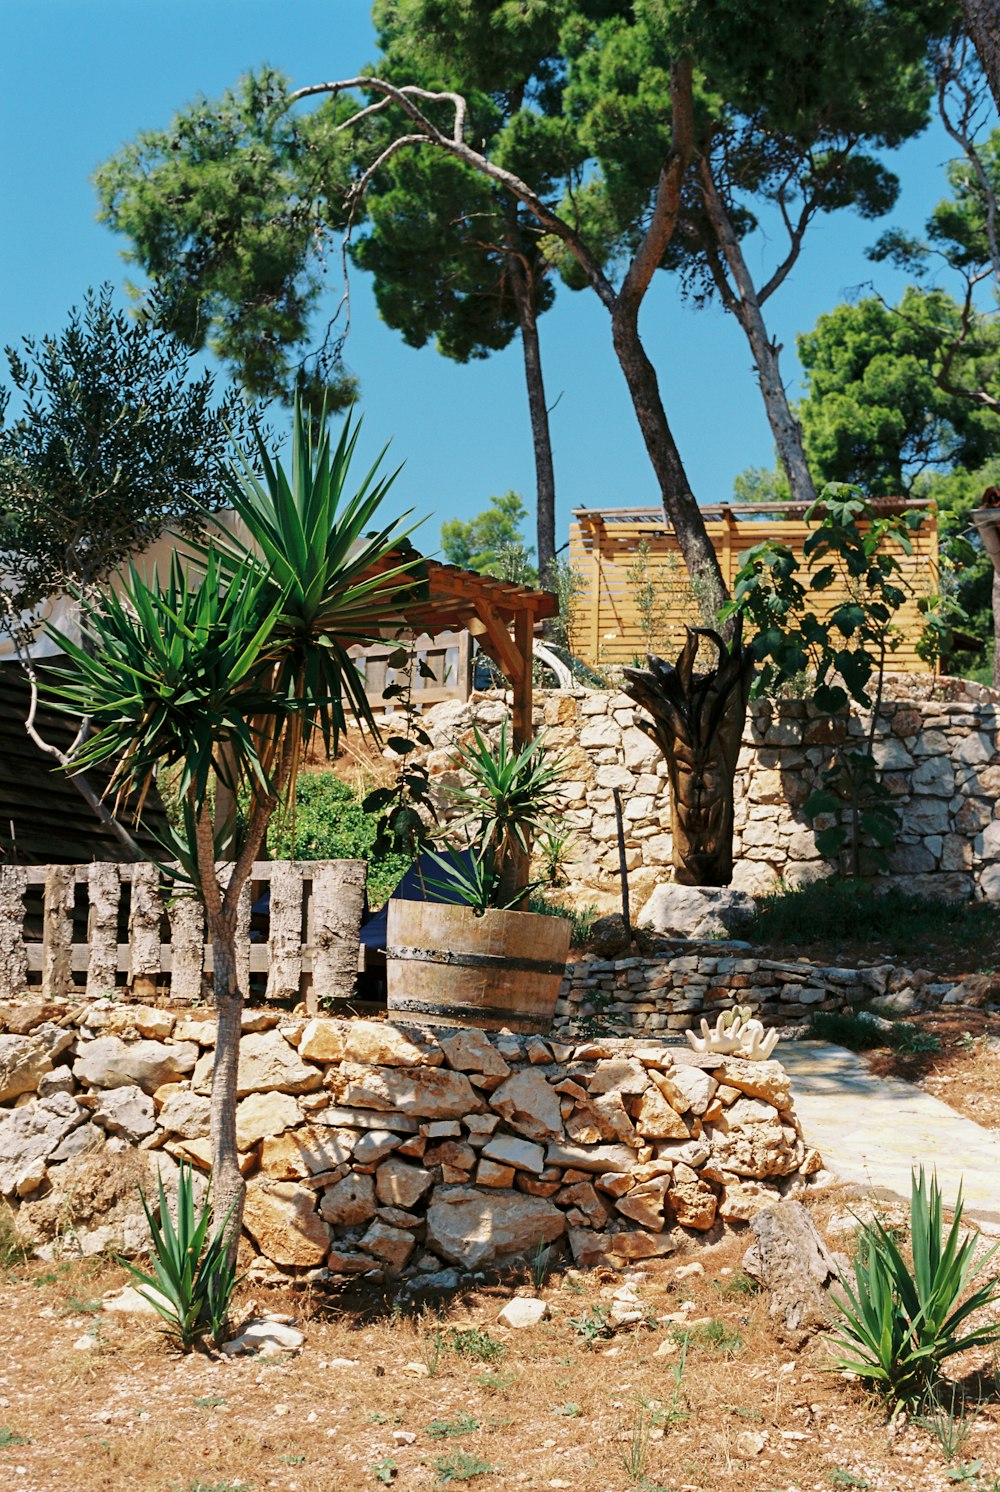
451 1398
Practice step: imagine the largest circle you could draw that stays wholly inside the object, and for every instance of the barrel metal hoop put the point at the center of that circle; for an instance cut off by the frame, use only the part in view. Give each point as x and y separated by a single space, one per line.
477 960
442 1012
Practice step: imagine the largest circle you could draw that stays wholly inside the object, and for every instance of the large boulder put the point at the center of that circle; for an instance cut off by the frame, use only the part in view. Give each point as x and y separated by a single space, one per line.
529 1104
32 1133
678 911
749 1140
375 1042
110 1062
472 1227
126 1112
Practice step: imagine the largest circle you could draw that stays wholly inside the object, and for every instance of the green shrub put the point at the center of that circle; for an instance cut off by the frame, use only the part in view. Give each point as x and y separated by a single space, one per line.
837 911
327 822
898 1326
194 1277
581 918
859 1033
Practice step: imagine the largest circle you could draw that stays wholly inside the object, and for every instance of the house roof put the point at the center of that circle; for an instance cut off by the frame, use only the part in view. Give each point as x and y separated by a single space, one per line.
43 818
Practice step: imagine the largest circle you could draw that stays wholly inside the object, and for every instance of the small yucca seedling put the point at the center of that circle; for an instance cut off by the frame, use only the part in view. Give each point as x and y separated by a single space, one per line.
194 1277
898 1326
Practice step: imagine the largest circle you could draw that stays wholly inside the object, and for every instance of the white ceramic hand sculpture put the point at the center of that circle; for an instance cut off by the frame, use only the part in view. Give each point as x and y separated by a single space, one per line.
739 1038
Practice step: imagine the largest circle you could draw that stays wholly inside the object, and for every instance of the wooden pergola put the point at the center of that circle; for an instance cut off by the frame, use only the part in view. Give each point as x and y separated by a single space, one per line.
445 598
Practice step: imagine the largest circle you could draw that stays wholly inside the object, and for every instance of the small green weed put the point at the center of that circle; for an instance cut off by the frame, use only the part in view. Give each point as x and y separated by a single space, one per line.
79 1305
461 1467
460 1424
571 1411
13 1252
541 1265
11 1437
716 1334
594 1326
209 1401
967 1472
292 1460
384 1471
739 1283
496 1383
476 1344
431 1347
633 1457
943 1415
913 1041
581 919
841 1477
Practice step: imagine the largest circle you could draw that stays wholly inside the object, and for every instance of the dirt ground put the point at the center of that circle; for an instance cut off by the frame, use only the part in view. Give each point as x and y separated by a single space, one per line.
964 1072
96 1403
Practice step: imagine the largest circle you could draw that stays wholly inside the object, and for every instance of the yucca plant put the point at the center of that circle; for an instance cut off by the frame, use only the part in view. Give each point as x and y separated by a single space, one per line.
899 1326
476 881
228 670
194 1275
510 795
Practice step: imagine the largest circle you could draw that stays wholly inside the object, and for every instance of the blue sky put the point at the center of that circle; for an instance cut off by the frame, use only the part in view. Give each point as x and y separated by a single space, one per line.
81 77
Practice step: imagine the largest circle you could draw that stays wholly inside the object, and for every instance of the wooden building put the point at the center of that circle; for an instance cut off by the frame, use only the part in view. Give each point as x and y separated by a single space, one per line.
637 596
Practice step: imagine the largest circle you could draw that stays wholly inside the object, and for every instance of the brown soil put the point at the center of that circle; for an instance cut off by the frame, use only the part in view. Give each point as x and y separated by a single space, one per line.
550 1412
964 1072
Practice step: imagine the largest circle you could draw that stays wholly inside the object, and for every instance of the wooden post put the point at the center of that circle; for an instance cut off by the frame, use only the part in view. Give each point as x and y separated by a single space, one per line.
104 892
338 894
595 597
145 915
285 943
521 687
57 931
187 939
13 953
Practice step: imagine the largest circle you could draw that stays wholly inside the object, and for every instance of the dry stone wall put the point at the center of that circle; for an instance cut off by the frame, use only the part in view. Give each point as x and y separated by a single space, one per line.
941 759
372 1149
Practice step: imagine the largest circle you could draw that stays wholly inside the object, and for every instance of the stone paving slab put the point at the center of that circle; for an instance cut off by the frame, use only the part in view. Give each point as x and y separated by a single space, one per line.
873 1130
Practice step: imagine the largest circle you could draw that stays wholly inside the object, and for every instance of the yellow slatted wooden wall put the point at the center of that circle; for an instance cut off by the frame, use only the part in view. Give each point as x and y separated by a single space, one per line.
637 597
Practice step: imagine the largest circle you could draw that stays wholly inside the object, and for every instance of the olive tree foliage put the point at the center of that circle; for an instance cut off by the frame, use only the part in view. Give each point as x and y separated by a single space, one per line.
107 438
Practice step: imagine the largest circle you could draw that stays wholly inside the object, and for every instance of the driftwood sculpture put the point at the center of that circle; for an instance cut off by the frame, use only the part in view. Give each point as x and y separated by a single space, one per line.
697 722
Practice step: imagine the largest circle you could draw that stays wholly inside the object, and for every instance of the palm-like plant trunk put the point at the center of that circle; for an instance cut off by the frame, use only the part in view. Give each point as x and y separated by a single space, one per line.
228 1186
541 435
697 722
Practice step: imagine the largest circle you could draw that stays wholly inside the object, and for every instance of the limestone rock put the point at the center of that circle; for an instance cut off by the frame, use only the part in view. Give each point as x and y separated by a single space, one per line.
392 1245
349 1261
523 1155
622 1075
641 1245
23 1019
308 1151
127 1112
602 1118
32 1133
79 1141
269 1065
374 1146
60 1080
644 1204
692 1201
128 1301
109 1062
199 1153
424 1092
749 1141
264 1114
339 1117
523 1311
686 1088
678 911
375 1043
791 1261
529 1104
472 1227
470 1050
488 1173
281 1218
185 1114
767 1080
591 1158
24 1060
656 1120
350 1202
584 1198
401 1185
742 1200
608 936
266 1338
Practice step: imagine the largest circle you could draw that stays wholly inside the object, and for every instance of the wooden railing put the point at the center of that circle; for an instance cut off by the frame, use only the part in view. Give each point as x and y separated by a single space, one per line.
446 671
103 926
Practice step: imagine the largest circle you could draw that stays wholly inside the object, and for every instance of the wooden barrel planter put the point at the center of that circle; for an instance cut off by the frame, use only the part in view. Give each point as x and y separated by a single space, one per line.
447 967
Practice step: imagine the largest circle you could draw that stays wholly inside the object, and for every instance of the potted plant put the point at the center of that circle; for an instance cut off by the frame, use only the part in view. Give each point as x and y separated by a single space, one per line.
476 957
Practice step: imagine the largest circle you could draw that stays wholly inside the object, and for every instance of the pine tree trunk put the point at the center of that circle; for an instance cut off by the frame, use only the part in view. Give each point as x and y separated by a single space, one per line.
746 307
228 1186
545 477
982 18
679 502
